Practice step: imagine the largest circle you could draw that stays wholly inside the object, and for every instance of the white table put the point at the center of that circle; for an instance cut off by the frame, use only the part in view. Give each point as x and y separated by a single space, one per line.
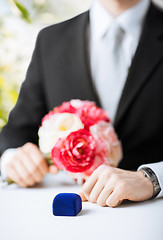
26 214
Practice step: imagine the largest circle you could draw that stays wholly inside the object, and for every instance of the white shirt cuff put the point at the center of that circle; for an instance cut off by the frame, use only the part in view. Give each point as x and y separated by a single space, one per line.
157 168
5 158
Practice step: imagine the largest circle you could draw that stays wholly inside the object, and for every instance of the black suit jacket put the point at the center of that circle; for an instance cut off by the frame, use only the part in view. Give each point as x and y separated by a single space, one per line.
59 71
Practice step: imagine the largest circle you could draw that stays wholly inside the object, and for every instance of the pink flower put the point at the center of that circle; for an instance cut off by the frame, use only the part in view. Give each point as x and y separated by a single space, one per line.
105 131
76 153
90 114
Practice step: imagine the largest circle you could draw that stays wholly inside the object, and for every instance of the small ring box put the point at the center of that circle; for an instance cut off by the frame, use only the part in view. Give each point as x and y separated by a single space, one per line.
67 204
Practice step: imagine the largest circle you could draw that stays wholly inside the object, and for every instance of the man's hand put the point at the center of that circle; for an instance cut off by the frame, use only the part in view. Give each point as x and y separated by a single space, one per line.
108 186
28 167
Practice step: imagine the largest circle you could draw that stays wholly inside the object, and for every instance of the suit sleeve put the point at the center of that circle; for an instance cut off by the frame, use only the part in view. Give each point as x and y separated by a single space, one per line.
25 118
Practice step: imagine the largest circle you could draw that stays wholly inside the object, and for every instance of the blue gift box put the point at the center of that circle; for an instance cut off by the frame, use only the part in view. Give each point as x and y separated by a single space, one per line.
67 204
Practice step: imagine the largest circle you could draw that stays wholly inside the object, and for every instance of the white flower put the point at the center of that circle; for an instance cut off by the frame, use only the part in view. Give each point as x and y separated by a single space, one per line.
57 126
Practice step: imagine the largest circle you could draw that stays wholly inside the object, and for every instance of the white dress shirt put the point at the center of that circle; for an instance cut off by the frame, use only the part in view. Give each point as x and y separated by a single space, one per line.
100 21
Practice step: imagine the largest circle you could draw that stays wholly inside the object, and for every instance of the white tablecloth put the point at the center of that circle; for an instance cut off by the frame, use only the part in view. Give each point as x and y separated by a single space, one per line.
26 214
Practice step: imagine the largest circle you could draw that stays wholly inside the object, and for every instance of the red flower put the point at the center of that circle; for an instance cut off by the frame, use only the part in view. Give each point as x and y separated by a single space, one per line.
90 114
76 153
102 155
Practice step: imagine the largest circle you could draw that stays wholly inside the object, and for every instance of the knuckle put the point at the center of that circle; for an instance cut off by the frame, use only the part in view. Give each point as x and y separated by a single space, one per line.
123 185
102 167
104 172
19 151
115 177
19 155
97 171
107 172
104 175
28 145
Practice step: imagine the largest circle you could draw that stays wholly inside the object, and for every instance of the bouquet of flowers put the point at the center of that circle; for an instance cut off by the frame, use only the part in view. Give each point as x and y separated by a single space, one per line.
78 137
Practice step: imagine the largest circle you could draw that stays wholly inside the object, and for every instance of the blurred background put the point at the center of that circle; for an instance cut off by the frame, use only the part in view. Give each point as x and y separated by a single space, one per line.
20 22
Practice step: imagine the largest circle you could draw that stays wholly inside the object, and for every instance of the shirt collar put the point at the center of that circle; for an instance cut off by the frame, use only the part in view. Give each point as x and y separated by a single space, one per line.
131 20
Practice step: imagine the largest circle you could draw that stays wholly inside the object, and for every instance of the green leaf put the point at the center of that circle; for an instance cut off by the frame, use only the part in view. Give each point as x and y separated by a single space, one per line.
23 10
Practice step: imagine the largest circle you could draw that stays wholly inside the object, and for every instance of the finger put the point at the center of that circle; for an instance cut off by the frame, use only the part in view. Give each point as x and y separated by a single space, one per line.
24 173
96 190
100 176
31 167
105 193
53 169
115 198
36 157
33 170
84 199
107 190
13 175
88 185
91 181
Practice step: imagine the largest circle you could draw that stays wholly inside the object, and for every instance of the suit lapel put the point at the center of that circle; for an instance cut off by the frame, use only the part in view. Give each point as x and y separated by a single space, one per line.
80 60
147 57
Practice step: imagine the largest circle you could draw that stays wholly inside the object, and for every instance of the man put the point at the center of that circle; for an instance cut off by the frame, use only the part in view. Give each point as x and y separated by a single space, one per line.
74 59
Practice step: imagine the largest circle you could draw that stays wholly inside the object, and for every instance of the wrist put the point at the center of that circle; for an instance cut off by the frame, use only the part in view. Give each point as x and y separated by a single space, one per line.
151 176
145 185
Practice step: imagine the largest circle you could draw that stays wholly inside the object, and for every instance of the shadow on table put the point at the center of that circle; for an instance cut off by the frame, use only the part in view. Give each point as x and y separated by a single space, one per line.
85 212
53 185
128 204
53 181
